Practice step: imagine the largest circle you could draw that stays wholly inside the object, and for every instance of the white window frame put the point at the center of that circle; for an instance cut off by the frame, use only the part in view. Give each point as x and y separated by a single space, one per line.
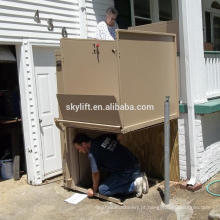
154 11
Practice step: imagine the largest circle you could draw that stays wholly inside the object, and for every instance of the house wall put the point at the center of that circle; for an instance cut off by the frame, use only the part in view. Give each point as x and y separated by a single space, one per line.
182 145
207 146
17 26
206 137
17 19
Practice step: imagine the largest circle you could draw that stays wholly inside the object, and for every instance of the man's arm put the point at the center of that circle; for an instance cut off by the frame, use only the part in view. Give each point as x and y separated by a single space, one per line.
95 176
95 180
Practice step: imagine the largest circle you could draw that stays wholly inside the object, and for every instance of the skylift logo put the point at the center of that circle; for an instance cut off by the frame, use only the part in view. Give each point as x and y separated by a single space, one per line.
110 107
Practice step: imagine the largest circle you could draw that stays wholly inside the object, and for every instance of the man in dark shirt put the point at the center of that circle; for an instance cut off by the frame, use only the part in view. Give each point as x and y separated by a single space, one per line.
106 153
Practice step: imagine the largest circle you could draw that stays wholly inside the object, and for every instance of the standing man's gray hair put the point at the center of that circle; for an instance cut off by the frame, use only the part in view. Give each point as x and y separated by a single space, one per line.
112 10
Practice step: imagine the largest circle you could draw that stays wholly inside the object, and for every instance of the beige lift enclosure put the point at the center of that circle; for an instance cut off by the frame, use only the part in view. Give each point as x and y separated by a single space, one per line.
138 70
162 26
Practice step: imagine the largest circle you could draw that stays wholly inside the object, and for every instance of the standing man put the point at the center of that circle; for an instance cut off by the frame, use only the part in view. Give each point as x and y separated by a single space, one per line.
106 29
106 153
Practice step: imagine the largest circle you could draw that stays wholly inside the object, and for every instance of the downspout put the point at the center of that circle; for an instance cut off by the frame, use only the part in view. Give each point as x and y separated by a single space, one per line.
186 68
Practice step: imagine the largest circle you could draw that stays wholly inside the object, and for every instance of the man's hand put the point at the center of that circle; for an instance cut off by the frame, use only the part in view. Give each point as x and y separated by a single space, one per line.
90 192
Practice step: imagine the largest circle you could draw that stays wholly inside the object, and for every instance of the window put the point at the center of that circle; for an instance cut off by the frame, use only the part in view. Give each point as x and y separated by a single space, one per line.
165 10
142 8
208 26
142 12
212 25
216 27
215 5
124 13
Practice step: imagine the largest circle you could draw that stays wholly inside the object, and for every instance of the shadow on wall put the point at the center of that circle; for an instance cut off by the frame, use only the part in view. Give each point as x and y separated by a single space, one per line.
99 8
210 129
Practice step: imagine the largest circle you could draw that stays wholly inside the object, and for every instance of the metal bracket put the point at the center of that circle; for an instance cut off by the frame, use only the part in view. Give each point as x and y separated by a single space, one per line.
59 65
114 51
96 50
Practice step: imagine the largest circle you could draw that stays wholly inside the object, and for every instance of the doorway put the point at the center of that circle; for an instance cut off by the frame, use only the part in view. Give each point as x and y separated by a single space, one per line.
46 89
12 155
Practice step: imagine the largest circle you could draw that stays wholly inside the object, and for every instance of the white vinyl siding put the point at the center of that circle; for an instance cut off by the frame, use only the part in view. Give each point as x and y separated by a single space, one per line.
17 26
17 18
95 12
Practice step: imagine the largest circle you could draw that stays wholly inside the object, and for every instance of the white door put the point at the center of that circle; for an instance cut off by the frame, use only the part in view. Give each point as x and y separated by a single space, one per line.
45 76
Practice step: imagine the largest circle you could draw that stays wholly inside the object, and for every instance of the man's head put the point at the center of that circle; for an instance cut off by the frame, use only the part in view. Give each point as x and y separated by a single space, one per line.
111 15
82 143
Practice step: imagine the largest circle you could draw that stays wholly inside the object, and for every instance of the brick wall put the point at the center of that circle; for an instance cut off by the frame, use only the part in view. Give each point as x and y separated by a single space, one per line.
207 145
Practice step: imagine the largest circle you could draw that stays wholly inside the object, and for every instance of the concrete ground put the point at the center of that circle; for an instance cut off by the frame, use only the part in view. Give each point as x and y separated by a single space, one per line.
20 201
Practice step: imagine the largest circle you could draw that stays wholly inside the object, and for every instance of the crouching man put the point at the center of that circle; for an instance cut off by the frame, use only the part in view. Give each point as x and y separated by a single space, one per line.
106 153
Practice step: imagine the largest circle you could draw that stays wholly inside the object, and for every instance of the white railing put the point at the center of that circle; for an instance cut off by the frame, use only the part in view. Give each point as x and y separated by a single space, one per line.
212 64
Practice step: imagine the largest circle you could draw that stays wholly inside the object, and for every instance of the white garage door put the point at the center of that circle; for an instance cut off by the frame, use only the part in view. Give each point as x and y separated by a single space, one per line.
45 75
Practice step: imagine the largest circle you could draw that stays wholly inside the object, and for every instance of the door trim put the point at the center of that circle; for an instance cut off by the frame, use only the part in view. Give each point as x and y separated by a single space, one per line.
24 110
29 107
